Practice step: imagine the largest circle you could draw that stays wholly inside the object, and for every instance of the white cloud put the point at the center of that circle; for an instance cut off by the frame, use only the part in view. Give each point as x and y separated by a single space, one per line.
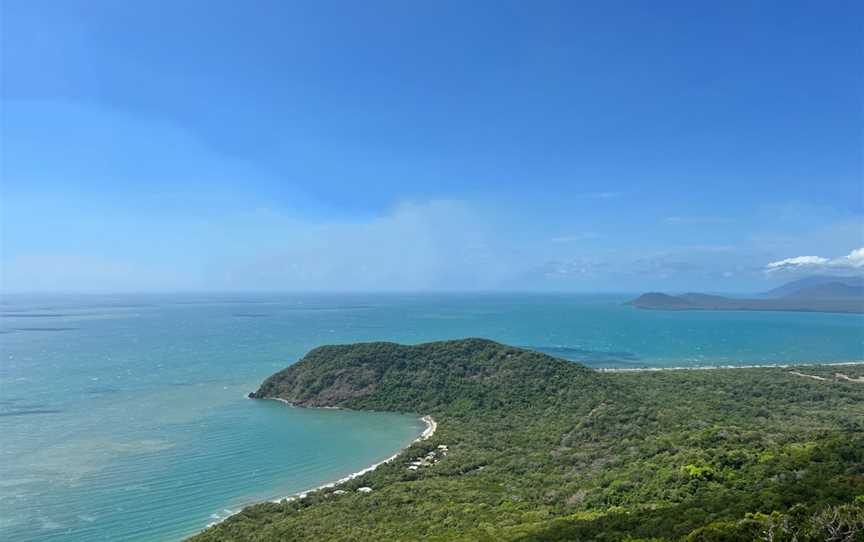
852 261
795 262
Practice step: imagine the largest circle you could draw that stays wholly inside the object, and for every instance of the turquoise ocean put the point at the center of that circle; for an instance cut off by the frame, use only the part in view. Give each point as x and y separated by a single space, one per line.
125 417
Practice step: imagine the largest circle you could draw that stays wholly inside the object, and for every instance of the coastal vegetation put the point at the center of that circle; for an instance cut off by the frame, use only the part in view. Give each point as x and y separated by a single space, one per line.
542 449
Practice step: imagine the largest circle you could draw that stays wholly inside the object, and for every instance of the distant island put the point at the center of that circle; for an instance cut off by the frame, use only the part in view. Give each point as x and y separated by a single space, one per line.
533 448
813 294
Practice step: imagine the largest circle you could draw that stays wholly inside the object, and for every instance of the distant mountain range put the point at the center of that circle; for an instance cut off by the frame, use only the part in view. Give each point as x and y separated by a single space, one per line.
820 286
811 294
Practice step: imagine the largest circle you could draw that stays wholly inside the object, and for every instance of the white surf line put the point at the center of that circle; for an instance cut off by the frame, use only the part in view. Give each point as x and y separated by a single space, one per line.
712 367
431 427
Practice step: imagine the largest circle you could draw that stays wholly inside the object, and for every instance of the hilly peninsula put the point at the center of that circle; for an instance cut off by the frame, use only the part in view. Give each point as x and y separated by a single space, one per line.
811 294
705 302
535 448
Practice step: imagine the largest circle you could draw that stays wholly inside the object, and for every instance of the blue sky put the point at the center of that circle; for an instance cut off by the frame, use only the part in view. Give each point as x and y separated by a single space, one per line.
448 146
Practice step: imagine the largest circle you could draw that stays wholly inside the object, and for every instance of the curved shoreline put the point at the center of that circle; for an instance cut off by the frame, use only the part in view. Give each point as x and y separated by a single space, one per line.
431 427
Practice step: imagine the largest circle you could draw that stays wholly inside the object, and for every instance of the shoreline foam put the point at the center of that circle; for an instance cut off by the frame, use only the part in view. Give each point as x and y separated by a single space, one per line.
431 427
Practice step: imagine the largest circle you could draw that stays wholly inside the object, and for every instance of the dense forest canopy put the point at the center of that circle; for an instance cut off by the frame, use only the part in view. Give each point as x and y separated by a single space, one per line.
542 449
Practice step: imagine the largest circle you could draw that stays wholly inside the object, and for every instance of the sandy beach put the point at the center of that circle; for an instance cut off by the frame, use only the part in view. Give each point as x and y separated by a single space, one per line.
431 427
712 367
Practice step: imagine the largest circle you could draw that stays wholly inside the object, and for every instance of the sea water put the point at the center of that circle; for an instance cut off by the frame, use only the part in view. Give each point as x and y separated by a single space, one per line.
125 417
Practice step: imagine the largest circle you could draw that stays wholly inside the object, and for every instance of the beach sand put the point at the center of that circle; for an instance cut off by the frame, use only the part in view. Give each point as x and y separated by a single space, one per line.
712 367
431 427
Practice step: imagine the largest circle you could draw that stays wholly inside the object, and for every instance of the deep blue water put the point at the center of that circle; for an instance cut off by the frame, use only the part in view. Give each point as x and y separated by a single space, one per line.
124 417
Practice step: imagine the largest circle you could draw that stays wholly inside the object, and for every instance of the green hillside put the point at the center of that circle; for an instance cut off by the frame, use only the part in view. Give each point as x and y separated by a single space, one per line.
539 448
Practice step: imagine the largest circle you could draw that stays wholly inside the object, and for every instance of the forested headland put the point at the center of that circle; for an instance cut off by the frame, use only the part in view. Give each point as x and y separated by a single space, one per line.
534 448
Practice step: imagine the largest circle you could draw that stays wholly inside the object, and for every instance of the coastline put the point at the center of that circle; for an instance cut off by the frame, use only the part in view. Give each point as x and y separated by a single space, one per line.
712 367
431 427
